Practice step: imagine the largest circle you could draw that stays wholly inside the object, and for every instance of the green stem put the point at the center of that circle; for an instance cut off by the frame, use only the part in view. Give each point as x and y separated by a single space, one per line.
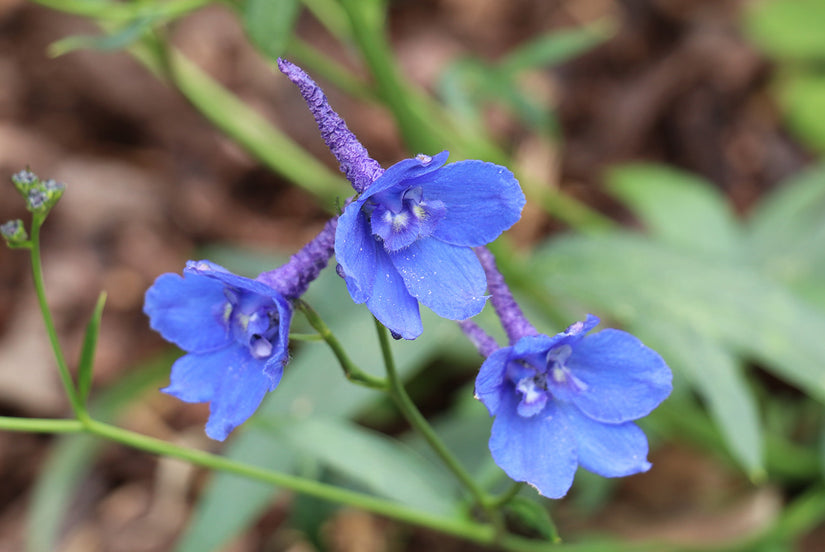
351 370
508 495
40 425
40 289
416 419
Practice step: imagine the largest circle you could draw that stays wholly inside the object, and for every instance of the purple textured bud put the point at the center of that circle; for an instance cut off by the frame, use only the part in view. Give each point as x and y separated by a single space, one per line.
356 164
292 279
484 342
512 319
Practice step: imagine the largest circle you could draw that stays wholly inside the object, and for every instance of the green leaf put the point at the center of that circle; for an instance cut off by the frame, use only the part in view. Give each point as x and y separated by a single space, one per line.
117 40
87 353
786 233
802 97
269 24
788 28
631 277
717 377
383 465
556 47
677 207
700 311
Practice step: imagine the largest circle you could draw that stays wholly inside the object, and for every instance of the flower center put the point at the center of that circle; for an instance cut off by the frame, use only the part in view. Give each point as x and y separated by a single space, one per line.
253 321
401 215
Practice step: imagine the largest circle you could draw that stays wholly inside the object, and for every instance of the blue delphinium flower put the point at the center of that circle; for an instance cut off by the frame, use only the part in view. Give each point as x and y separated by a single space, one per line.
234 329
407 237
565 401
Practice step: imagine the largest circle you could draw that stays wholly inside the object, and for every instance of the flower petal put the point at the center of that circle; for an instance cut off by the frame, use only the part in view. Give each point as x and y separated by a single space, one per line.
490 382
274 367
406 170
446 278
195 377
241 389
610 450
625 380
356 251
540 450
482 199
391 303
188 311
220 274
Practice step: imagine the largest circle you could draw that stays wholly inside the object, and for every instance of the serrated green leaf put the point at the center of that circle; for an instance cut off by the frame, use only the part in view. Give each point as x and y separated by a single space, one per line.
677 207
269 24
790 29
87 353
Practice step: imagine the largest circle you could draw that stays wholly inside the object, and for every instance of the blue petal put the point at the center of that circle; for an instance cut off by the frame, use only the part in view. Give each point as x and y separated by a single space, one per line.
242 386
220 274
540 450
274 367
482 201
356 251
406 170
446 278
391 303
490 382
610 450
188 311
625 380
195 377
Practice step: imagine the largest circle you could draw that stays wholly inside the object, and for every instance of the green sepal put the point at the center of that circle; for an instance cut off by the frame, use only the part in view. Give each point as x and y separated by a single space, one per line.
531 516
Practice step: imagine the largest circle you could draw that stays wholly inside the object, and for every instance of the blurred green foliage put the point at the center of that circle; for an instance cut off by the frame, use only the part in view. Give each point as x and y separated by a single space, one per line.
725 300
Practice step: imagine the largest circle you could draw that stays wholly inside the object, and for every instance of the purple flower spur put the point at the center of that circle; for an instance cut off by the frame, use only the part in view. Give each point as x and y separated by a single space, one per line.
407 236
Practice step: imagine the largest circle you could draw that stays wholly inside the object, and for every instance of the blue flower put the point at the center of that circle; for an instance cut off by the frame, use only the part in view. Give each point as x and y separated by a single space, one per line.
569 400
235 331
409 236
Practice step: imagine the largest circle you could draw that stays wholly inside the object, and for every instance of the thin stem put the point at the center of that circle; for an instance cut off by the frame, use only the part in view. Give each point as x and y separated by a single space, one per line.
351 370
40 289
40 425
416 419
305 337
465 529
509 494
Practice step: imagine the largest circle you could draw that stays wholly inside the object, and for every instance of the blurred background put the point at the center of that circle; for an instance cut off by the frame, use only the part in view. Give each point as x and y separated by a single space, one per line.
669 152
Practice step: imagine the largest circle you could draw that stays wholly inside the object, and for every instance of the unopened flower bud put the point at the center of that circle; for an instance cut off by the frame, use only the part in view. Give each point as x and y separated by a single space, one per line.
14 233
24 181
43 195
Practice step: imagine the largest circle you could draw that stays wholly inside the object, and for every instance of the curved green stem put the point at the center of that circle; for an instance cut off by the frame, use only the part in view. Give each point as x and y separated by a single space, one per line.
40 289
416 419
351 370
508 495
